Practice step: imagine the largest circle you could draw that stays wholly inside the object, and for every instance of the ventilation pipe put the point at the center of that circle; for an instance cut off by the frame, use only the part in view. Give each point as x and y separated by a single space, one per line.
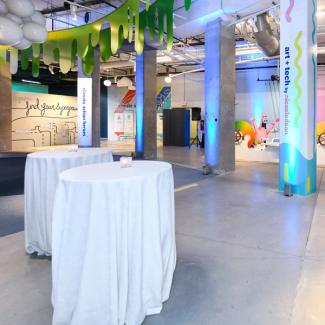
265 37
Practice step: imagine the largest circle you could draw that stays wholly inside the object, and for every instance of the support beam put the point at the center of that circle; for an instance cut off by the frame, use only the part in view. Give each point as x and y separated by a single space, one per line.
5 108
220 97
146 107
89 105
298 166
66 6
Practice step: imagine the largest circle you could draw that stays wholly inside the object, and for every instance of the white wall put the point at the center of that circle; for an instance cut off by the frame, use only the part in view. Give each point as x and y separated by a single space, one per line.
43 120
193 93
254 97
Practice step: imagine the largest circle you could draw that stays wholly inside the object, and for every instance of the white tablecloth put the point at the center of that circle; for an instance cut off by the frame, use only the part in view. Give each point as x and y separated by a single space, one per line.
114 251
41 177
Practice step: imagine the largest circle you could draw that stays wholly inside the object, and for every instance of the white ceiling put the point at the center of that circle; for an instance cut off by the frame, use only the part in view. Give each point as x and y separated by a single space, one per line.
203 11
188 24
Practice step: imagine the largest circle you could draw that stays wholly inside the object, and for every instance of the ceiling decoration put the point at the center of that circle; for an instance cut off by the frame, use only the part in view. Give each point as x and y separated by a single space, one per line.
126 22
21 24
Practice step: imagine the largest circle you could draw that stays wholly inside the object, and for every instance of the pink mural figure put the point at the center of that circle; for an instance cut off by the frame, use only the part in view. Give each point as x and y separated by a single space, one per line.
262 132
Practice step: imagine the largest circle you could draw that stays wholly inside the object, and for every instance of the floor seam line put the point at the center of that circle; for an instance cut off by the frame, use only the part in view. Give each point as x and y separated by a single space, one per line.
243 246
304 257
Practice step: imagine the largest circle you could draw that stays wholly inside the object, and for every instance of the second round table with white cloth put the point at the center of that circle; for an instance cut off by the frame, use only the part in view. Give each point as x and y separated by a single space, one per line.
114 250
41 178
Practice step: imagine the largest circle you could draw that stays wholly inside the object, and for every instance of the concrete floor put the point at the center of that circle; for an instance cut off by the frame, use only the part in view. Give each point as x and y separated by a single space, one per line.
182 155
246 256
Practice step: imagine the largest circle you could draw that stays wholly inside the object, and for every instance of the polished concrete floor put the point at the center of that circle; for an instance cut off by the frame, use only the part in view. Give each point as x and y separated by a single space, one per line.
12 198
246 256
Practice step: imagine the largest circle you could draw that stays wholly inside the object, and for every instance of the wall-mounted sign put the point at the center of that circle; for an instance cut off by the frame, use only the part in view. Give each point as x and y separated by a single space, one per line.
85 111
119 121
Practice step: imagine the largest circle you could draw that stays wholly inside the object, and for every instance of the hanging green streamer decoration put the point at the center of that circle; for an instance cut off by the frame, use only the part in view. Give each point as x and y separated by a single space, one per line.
188 4
126 22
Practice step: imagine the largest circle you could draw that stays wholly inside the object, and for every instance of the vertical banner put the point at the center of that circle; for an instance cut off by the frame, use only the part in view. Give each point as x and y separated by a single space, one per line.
85 112
298 96
139 140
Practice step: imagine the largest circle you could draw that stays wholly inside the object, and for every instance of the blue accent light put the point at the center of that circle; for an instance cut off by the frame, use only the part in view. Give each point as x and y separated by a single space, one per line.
299 169
212 93
257 110
139 140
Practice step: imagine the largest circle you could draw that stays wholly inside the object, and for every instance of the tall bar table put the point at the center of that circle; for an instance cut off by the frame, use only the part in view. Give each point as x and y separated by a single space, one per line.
41 178
114 250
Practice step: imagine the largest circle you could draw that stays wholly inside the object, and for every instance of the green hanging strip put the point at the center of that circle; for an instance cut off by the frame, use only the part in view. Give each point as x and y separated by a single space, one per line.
147 5
88 62
25 55
35 66
3 54
105 44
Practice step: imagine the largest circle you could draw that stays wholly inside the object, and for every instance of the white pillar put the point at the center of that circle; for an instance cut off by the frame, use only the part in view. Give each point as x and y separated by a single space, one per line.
298 164
89 105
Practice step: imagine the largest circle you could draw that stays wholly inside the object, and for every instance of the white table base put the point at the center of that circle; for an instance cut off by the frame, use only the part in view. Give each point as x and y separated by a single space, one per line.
41 178
114 251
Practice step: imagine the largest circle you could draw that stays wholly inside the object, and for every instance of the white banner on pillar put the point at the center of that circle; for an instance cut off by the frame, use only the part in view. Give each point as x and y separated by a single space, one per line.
298 95
85 111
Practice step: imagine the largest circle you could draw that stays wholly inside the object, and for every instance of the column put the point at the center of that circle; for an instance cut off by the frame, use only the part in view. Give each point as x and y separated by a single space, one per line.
146 106
220 90
298 166
89 105
5 108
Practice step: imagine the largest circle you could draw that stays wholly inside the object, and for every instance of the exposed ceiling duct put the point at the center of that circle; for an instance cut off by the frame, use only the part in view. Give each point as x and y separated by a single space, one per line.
117 64
265 37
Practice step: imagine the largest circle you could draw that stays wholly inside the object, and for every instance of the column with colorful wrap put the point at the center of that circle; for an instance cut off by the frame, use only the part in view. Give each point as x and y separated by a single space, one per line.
298 164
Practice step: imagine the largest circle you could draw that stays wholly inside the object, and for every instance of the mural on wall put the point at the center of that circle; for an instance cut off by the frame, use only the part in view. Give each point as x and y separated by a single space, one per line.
263 131
124 113
242 130
320 133
43 120
255 134
320 128
164 101
124 120
164 98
